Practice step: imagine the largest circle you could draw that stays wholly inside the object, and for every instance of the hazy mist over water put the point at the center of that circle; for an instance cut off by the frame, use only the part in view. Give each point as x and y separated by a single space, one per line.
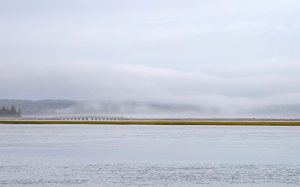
104 65
147 58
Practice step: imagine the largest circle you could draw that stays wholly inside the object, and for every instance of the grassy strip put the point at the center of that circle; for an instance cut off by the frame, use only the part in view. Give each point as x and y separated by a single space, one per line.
234 123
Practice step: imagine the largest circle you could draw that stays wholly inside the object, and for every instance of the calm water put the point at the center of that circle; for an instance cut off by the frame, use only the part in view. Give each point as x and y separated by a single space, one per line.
74 155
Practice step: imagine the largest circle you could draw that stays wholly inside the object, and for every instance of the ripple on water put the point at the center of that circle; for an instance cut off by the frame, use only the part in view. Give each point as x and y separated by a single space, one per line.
150 175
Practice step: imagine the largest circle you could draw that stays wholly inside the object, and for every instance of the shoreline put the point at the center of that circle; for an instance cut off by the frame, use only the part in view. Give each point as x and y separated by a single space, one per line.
153 122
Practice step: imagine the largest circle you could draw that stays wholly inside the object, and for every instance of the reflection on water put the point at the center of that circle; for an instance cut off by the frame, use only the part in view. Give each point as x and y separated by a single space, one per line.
53 155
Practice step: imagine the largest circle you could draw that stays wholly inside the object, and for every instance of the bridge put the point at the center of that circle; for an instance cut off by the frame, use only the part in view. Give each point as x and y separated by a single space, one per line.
82 118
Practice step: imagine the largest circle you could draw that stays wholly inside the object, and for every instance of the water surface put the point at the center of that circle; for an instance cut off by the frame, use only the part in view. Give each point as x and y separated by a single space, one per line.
107 155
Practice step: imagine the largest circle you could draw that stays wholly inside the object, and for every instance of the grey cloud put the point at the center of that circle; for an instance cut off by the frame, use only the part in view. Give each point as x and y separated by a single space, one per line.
231 55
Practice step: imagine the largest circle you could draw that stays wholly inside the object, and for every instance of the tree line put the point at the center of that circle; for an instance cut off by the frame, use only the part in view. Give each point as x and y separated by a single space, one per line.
10 112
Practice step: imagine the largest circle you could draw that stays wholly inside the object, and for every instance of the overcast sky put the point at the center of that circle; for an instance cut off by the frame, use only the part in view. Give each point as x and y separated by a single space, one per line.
205 52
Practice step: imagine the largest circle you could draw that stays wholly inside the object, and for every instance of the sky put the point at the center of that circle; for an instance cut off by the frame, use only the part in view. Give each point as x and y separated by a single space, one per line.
229 54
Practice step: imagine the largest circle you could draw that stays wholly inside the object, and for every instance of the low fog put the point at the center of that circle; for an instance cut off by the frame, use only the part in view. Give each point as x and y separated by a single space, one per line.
159 58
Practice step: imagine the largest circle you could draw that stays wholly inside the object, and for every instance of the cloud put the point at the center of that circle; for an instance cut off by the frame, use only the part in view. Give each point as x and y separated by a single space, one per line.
233 55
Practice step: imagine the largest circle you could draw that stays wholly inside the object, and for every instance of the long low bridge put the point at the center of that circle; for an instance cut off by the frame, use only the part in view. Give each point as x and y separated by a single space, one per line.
81 118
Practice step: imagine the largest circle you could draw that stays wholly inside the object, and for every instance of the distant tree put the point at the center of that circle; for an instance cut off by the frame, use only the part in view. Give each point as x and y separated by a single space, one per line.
12 112
19 112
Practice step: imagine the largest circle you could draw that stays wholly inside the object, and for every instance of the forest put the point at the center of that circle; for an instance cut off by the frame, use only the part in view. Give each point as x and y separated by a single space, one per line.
10 112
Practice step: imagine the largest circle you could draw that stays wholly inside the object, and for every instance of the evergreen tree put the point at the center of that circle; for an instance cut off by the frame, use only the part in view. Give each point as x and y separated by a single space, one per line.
12 112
